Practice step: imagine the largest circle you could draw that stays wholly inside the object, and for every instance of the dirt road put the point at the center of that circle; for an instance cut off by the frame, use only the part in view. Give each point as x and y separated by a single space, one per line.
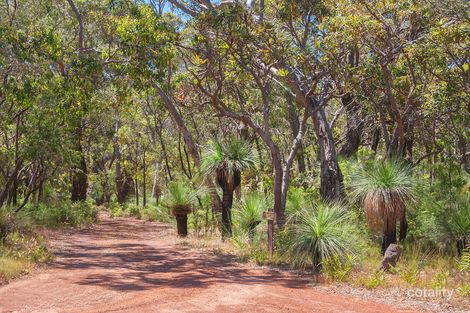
126 265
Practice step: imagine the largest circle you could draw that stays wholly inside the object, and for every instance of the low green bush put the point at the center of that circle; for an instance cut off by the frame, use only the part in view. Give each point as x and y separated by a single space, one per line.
319 234
465 261
11 268
53 215
337 269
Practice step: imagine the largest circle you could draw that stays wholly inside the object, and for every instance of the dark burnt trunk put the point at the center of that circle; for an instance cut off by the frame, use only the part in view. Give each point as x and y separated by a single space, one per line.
80 180
375 140
403 228
354 126
389 234
79 173
227 201
182 224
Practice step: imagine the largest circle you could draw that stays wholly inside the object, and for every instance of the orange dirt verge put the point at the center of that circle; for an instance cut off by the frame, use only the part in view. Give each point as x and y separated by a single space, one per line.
127 265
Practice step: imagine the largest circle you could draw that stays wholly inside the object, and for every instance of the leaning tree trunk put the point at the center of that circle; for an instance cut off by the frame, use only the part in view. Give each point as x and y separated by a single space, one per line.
331 178
189 141
182 224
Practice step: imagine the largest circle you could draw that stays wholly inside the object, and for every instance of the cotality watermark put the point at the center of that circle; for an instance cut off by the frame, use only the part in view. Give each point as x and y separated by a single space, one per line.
431 293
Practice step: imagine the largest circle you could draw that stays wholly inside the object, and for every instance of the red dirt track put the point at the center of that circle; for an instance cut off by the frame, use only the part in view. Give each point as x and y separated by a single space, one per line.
127 265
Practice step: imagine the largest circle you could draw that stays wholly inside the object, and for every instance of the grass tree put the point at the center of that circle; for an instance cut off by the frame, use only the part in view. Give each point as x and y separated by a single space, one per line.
385 188
180 199
224 162
249 212
457 222
318 234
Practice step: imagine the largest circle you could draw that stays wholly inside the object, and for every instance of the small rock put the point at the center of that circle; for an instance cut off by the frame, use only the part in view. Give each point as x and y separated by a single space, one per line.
391 256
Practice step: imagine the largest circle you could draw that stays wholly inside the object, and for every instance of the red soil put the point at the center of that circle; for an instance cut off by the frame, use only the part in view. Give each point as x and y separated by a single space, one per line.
126 265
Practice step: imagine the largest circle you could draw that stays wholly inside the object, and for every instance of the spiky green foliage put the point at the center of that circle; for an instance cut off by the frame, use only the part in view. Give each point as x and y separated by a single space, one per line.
385 187
320 233
250 210
297 199
232 156
457 218
180 197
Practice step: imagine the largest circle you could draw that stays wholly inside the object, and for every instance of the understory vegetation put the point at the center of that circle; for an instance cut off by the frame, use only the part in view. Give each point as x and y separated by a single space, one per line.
344 123
22 245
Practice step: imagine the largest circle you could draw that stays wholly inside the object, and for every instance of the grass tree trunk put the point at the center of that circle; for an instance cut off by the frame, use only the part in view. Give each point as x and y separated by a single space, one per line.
227 201
389 234
182 224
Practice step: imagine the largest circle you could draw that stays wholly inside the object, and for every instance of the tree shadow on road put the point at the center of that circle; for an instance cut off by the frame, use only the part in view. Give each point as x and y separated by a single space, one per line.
125 255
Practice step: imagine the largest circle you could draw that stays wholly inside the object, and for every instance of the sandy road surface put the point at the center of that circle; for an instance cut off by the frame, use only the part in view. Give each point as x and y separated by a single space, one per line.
127 265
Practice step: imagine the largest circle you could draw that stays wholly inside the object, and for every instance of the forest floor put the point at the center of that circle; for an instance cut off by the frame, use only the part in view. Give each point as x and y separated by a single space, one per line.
129 265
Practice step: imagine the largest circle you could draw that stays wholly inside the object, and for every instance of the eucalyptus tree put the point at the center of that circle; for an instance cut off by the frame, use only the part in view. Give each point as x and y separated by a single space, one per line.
33 148
295 62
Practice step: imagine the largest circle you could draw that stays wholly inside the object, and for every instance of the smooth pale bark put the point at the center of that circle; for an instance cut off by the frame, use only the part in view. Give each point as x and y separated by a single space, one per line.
122 185
188 138
156 188
144 181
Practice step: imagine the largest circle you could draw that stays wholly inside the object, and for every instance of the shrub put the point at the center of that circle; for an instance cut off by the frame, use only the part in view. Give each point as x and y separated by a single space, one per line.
464 290
53 215
337 269
297 199
11 267
29 247
372 281
465 261
456 220
413 260
320 234
135 211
